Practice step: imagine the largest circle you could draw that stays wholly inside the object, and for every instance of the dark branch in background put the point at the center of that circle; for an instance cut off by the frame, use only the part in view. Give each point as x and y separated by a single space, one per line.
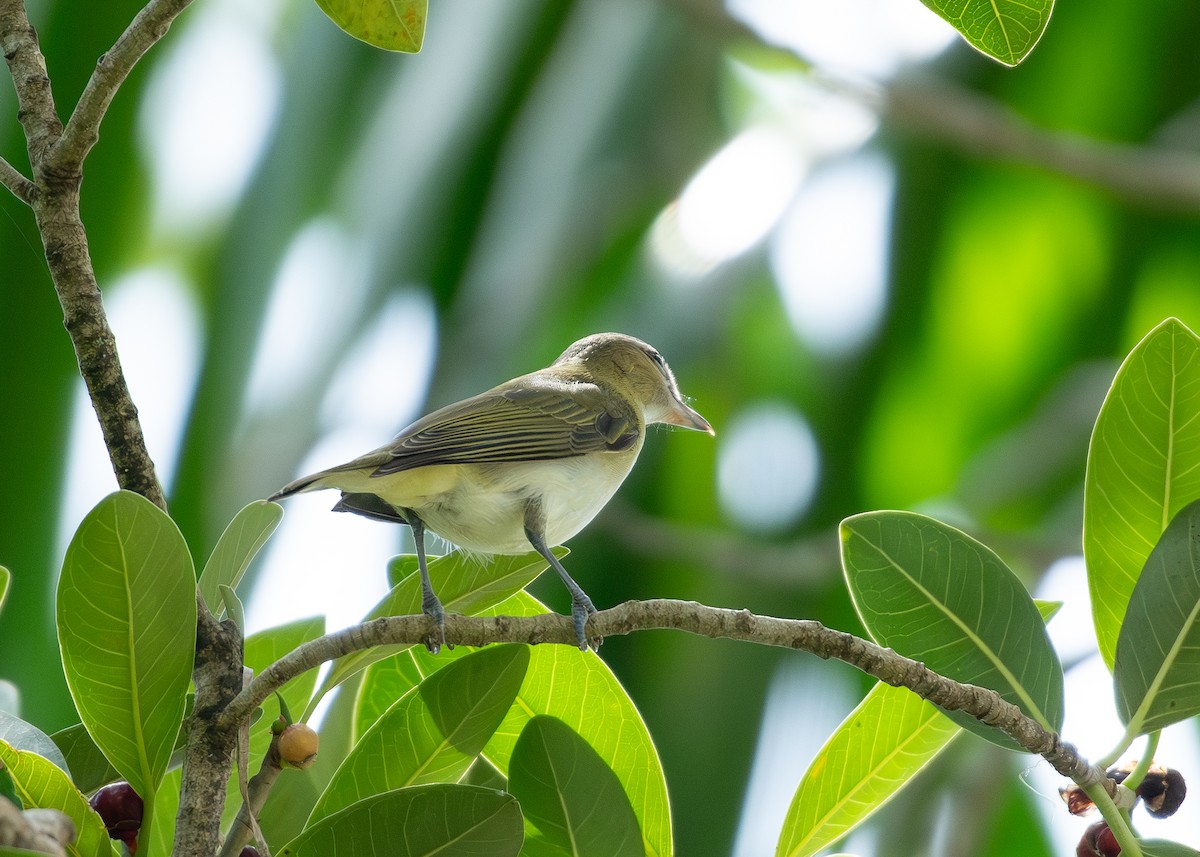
56 159
1155 176
802 634
1149 175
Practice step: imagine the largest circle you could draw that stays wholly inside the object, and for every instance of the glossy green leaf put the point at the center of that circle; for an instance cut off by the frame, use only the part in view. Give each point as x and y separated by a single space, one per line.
89 767
578 689
466 585
1143 467
569 795
5 581
463 821
434 732
21 735
1005 30
1158 652
936 595
1165 848
876 750
41 784
127 629
236 548
394 25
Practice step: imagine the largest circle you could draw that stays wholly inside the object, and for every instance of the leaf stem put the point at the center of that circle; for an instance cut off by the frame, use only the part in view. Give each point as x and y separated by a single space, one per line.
1117 821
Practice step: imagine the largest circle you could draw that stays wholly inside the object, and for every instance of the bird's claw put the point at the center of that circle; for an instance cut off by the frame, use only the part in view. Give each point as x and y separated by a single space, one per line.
436 638
581 609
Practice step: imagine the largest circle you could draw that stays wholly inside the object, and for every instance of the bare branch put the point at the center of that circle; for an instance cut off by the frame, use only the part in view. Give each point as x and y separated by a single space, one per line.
54 197
21 187
802 634
35 100
113 67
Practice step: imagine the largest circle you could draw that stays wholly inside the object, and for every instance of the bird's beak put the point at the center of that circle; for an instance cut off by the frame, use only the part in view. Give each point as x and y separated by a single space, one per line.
684 417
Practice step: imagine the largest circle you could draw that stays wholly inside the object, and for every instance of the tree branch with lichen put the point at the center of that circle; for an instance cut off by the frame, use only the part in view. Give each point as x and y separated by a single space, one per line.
800 634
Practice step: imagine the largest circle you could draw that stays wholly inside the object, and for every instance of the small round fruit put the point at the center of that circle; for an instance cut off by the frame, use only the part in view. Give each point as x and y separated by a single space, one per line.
298 745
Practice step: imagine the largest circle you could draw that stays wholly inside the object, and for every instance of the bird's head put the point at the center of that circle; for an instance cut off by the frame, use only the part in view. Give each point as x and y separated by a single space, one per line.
638 372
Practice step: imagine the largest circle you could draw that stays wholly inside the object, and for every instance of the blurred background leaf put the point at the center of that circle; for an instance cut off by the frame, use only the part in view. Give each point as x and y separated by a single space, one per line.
328 239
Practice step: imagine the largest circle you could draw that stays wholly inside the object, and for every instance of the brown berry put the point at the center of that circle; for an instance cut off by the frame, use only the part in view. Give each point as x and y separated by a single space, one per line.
1098 841
249 851
298 745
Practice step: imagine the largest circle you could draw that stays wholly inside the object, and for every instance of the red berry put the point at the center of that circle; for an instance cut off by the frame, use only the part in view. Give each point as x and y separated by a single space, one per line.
120 808
1098 841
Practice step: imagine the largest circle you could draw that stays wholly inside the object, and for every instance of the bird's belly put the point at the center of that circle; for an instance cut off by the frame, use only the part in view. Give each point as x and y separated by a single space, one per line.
485 512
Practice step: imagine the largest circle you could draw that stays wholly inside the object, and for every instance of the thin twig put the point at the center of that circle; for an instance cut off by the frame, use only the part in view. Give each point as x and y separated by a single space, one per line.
21 187
113 67
802 634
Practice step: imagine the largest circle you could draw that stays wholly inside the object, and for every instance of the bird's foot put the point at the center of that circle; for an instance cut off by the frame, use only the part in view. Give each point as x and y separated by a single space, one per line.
436 638
581 609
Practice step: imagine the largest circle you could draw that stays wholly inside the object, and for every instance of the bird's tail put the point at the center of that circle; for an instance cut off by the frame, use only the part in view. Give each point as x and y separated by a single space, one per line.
304 483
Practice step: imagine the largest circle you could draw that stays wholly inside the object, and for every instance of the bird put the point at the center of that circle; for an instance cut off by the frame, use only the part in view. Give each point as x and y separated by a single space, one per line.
528 463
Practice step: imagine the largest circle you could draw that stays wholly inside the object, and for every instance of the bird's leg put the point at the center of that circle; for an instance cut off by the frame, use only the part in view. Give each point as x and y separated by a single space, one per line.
581 605
430 605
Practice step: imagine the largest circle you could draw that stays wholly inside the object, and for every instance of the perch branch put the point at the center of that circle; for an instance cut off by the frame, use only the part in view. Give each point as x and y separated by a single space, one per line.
21 187
801 634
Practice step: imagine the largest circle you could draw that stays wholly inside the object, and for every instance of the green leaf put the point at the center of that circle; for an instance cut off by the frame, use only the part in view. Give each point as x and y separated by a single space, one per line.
394 25
1143 467
936 595
43 785
25 736
450 820
1005 30
89 767
237 547
5 581
569 795
1158 651
877 749
8 788
127 629
466 585
434 732
1164 848
579 689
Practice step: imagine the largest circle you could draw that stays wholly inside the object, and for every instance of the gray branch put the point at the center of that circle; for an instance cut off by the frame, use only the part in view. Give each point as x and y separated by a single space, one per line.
801 634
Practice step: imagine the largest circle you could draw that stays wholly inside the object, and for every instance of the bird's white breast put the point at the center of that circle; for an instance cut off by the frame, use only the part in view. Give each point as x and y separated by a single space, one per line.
485 511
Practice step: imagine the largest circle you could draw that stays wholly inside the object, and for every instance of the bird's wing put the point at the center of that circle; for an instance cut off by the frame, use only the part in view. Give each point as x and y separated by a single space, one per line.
543 418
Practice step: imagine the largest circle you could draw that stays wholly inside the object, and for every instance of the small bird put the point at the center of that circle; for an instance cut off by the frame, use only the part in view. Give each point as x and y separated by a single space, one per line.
526 464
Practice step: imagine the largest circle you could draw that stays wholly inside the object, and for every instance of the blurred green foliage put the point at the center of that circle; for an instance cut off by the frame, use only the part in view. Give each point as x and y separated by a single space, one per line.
512 171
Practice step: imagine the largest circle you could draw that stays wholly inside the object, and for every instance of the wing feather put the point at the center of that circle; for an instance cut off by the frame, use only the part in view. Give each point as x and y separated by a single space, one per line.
539 419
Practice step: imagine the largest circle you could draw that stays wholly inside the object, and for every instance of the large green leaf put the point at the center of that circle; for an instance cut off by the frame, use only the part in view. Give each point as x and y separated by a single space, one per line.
434 732
238 545
1143 467
569 795
936 595
1158 652
394 25
466 585
41 784
422 821
21 735
578 689
877 749
88 765
1005 30
127 630
1165 848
